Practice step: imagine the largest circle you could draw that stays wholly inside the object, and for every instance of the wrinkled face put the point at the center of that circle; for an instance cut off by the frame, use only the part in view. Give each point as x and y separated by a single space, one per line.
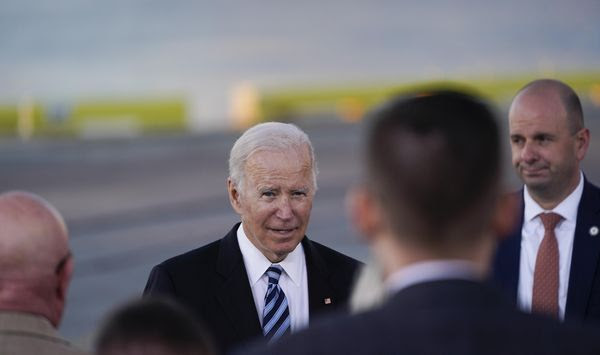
545 153
276 200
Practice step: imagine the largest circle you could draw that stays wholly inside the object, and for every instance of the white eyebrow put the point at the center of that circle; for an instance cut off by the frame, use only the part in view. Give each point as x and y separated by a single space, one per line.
266 188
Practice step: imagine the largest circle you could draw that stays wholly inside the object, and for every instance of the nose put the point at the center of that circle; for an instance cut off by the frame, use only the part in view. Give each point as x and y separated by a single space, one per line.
528 153
284 209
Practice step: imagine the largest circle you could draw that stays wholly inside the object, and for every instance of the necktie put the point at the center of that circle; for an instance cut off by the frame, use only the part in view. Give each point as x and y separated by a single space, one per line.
545 276
276 314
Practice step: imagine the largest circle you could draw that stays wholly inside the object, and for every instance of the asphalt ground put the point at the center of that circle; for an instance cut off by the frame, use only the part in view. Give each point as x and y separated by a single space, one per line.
132 203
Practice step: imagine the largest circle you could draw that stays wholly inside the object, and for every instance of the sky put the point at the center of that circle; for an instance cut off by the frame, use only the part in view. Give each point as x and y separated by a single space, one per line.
70 49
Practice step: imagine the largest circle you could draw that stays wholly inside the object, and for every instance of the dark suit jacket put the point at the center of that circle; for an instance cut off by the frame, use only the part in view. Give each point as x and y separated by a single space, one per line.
438 317
212 281
583 294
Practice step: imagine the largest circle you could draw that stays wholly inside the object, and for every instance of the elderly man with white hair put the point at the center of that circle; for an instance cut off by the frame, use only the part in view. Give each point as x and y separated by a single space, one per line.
35 271
265 278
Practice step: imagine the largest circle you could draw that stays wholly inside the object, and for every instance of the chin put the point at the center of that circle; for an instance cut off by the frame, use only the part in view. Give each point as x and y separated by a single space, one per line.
287 248
537 184
534 179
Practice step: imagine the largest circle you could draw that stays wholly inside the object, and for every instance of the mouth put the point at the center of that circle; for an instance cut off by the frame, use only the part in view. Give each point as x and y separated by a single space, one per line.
529 171
283 231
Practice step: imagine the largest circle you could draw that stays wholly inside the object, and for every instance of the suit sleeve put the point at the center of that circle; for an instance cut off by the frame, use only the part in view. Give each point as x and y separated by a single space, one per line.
159 283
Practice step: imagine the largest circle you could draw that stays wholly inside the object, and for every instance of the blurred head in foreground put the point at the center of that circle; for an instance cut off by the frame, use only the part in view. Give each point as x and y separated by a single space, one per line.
432 180
153 326
35 262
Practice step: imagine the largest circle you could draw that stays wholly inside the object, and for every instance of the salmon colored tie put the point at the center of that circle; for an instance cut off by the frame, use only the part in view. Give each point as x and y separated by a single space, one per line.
545 276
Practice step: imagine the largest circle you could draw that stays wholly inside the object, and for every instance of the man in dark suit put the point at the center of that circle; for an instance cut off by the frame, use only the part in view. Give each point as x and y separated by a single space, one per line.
265 277
548 141
428 207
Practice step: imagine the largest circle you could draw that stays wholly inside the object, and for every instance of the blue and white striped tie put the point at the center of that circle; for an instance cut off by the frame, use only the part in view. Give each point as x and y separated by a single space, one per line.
276 314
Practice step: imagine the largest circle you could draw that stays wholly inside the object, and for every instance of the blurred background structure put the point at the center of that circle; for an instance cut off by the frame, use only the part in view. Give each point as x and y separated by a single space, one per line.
121 113
122 68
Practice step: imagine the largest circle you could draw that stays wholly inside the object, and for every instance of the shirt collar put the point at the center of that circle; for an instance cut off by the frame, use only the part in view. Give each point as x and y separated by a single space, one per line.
567 208
257 264
27 323
432 270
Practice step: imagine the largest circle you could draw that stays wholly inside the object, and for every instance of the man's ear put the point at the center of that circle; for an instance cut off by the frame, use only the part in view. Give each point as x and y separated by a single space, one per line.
582 139
56 305
64 278
364 211
506 215
234 196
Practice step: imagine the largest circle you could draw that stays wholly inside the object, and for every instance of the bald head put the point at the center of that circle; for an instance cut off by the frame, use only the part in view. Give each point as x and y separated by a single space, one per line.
33 236
35 263
553 97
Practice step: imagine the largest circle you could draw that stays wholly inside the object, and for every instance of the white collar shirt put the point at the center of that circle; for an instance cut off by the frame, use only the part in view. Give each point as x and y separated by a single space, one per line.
532 234
427 271
293 280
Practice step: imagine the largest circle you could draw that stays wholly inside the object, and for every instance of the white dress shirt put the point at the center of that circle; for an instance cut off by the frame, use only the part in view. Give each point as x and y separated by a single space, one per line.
293 280
426 271
532 234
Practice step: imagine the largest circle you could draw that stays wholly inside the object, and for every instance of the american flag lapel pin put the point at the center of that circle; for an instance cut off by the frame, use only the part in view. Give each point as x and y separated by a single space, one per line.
327 300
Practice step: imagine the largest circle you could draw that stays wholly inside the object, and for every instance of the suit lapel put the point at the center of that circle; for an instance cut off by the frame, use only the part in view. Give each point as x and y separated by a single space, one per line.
508 256
234 293
320 293
586 253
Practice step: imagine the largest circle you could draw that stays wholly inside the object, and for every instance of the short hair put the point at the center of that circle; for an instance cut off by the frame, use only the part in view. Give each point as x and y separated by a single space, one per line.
567 96
153 323
267 136
433 161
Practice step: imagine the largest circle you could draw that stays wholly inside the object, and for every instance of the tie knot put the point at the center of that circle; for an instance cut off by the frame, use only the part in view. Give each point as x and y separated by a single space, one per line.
274 272
550 220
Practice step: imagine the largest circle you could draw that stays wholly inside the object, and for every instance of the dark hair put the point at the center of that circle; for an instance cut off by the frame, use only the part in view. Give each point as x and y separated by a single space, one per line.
153 323
434 162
